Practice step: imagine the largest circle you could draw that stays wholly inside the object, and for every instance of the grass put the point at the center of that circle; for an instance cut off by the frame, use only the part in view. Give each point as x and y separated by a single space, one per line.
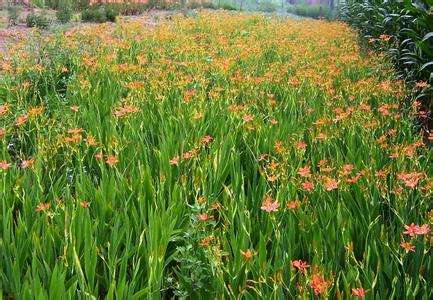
227 155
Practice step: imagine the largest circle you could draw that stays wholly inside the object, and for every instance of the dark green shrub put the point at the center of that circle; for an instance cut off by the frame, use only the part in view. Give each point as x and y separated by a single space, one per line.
405 30
88 15
111 14
37 20
311 11
267 7
100 14
227 6
13 14
65 12
131 9
208 5
193 5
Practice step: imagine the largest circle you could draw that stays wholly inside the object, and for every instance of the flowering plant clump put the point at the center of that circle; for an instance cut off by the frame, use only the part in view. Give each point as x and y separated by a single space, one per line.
226 155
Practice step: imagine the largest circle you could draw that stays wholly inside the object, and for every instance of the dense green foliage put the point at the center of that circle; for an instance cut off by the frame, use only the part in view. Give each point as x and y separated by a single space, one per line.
38 20
267 6
405 30
312 11
65 12
227 155
99 14
13 14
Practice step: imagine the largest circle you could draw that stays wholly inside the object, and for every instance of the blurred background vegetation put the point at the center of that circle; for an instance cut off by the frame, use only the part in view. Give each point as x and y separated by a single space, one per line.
307 8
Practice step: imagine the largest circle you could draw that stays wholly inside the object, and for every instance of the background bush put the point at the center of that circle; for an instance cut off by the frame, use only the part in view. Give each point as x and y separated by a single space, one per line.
402 28
267 7
312 11
37 20
227 6
13 14
65 12
100 14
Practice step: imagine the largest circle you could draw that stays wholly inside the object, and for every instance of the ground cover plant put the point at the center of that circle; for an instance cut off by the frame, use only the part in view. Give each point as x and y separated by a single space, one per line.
227 156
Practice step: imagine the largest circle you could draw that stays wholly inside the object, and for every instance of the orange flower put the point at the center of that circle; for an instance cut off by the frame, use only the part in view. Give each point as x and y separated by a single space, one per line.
36 111
75 108
354 179
205 242
358 292
318 284
125 110
272 177
407 246
300 265
301 145
248 254
189 94
307 186
99 155
385 37
293 204
2 132
112 160
382 174
274 122
331 184
43 206
4 165
269 205
248 118
273 165
322 163
413 229
206 140
410 179
174 161
84 204
423 229
203 217
75 131
304 172
73 139
421 84
347 169
27 163
21 120
189 154
279 146
91 141
4 108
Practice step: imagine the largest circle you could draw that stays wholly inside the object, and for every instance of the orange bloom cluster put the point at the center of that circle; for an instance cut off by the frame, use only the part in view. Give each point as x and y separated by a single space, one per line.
270 205
125 110
410 179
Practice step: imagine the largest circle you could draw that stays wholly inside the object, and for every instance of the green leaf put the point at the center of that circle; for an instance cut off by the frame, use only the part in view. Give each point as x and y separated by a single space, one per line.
426 65
428 36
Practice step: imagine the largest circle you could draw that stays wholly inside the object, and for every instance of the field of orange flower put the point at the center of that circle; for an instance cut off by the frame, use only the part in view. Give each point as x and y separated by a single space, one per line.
223 156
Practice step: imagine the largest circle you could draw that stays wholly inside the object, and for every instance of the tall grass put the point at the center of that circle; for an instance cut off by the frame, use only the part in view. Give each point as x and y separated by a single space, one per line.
222 156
